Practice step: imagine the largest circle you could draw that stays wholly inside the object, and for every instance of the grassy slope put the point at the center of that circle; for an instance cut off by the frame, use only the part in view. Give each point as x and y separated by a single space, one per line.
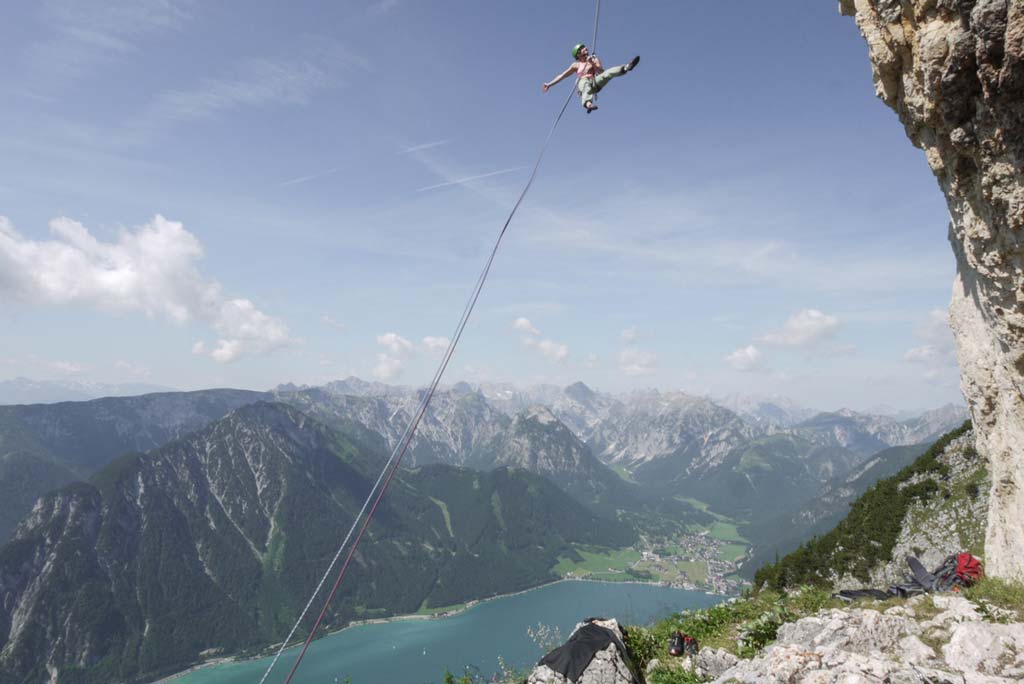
598 563
745 626
867 535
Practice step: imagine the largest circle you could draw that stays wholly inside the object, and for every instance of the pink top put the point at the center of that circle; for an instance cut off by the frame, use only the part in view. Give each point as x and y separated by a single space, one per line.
585 69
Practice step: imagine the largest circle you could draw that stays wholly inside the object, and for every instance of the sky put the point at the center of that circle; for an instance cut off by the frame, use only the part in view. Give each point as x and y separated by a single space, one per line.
203 194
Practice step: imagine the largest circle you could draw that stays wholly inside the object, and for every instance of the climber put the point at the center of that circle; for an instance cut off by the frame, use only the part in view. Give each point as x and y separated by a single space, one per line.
591 75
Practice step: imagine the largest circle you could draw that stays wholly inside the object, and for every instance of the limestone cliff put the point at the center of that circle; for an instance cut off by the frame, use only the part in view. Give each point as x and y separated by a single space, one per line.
953 70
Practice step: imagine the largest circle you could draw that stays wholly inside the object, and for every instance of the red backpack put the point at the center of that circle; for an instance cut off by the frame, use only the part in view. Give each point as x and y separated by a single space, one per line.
958 570
968 569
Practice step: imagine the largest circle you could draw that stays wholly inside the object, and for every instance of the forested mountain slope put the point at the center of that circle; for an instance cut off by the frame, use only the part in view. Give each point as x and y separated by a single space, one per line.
216 541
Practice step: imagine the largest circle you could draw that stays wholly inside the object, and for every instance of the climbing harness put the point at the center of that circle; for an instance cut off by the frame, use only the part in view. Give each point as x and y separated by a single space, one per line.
391 467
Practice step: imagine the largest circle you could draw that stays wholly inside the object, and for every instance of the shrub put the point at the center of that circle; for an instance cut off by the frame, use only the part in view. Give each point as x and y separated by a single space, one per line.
641 644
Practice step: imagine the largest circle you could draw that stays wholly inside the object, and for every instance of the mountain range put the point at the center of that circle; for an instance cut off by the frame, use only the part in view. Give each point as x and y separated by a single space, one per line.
215 540
741 464
181 523
26 391
669 443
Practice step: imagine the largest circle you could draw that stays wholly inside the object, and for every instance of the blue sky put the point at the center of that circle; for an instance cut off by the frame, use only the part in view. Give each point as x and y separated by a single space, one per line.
239 194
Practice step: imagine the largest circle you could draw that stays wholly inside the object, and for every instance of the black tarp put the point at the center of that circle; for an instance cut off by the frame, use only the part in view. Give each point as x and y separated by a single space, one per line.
573 657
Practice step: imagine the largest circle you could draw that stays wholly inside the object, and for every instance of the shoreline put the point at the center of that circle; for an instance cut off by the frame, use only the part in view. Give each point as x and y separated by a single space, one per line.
469 605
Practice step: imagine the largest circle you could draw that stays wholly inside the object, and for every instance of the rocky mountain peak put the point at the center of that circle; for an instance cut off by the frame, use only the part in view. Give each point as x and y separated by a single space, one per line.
539 414
580 392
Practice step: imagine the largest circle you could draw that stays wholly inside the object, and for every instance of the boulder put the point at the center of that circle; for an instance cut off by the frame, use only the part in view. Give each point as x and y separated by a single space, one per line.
610 665
713 662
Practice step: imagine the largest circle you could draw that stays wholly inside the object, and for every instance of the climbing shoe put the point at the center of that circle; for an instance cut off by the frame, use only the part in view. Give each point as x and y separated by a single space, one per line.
632 63
682 644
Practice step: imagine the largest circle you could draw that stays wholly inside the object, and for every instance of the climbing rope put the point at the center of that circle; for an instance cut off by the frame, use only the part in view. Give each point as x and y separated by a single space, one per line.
391 467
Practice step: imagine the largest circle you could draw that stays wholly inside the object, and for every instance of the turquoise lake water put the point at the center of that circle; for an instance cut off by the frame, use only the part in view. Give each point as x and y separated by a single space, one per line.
419 651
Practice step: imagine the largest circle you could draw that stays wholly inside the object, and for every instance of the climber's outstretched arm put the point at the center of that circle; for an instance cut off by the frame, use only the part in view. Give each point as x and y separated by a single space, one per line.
561 77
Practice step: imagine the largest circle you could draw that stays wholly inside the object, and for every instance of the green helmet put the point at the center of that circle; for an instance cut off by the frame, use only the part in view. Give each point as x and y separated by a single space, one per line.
576 50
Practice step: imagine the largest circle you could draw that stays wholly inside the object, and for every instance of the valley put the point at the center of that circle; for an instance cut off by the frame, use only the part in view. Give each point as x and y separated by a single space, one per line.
243 496
695 557
738 371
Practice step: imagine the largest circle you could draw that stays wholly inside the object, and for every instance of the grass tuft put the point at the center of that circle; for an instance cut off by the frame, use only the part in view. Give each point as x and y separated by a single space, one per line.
998 599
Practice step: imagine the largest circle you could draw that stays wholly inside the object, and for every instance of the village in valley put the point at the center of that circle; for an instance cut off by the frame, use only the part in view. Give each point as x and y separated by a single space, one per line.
707 560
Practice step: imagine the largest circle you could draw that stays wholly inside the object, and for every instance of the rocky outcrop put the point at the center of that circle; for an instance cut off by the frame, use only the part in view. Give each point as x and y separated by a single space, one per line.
933 528
954 72
610 665
933 639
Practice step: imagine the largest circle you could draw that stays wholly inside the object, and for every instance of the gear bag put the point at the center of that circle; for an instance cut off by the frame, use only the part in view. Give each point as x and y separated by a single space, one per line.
957 570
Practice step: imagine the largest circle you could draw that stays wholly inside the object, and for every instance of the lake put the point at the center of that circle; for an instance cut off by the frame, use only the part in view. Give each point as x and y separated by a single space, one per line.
419 651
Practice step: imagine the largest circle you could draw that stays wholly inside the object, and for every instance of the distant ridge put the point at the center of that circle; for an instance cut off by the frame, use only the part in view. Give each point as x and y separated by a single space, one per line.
26 391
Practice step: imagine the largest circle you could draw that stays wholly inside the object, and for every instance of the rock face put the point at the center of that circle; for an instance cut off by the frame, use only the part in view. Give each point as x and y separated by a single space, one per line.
954 72
897 646
539 442
658 436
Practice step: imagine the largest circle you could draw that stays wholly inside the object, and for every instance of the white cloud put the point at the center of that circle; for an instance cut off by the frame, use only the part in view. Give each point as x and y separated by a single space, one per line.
629 335
936 330
388 367
327 320
251 83
256 82
637 363
745 359
66 367
132 368
928 353
841 350
395 344
552 351
436 344
151 270
591 362
938 353
391 362
523 325
88 34
804 329
549 349
243 329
